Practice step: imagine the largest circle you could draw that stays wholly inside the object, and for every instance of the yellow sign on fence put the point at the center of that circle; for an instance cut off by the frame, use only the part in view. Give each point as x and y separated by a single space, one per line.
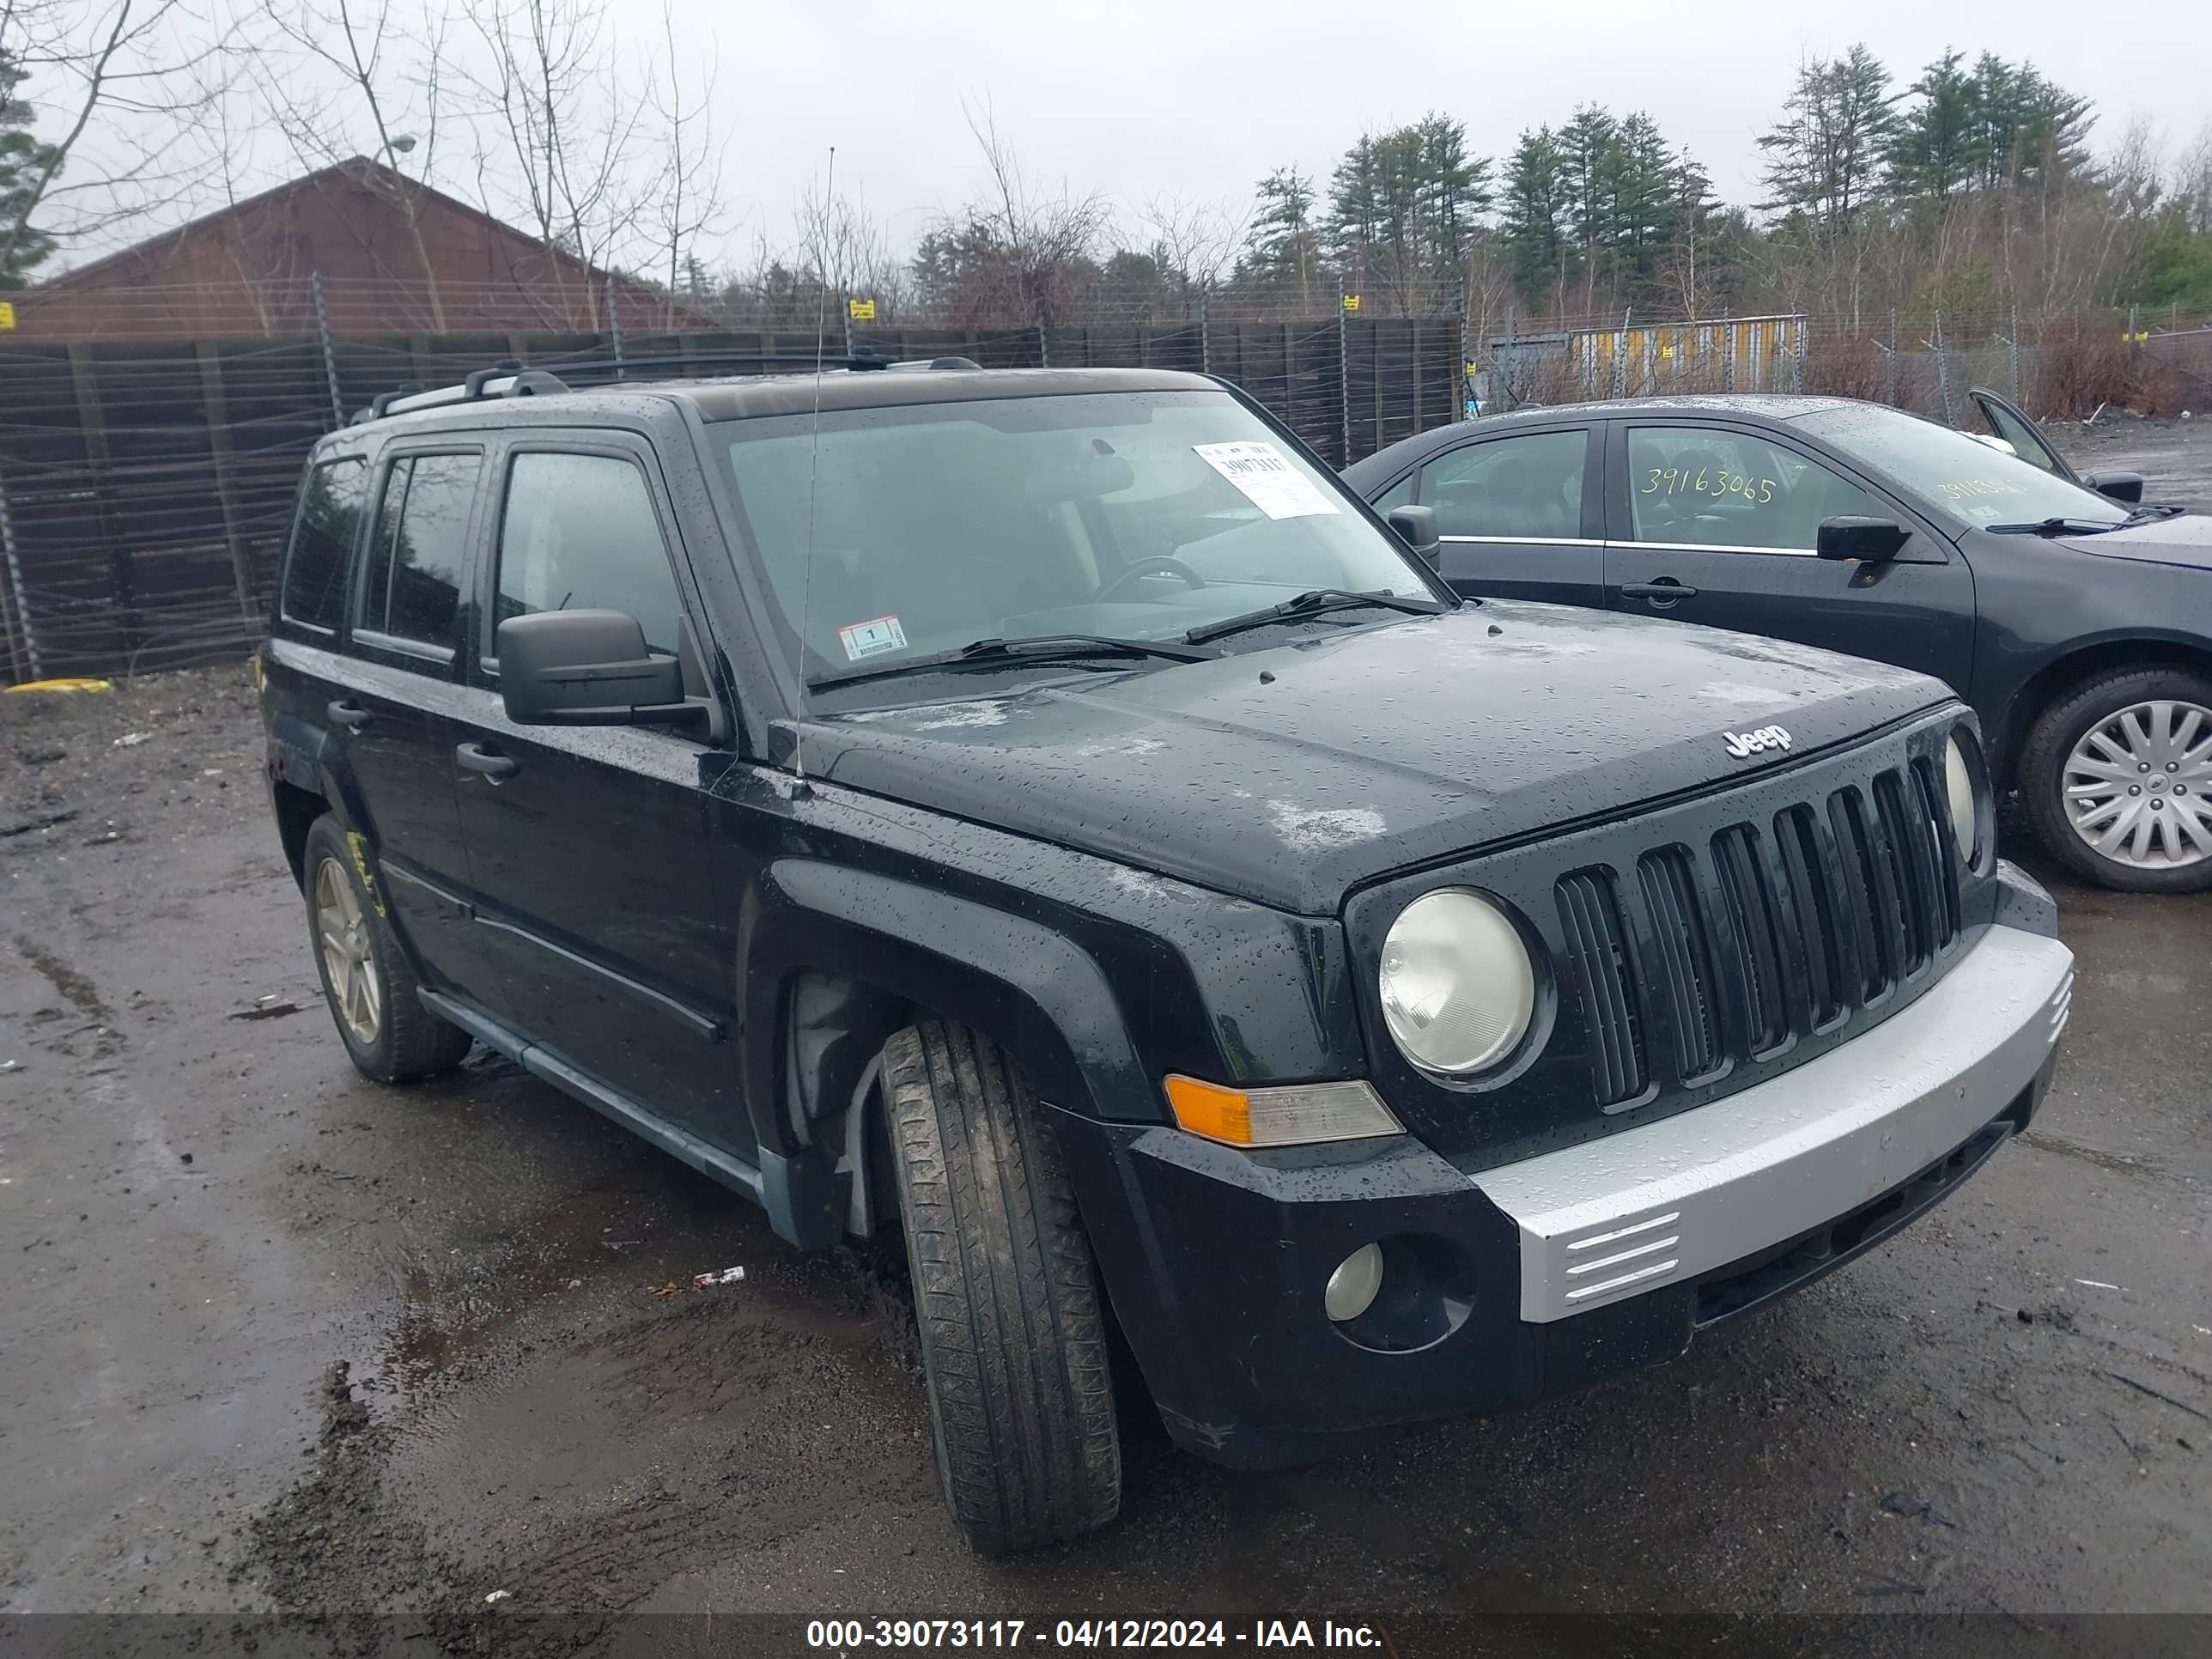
7 315
1352 303
861 311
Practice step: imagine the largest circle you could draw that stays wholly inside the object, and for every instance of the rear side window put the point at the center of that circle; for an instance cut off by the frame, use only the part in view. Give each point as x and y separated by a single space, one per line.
322 541
412 588
1527 486
578 532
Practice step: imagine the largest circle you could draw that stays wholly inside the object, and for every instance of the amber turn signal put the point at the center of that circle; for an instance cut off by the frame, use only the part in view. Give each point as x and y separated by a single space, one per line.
1288 1115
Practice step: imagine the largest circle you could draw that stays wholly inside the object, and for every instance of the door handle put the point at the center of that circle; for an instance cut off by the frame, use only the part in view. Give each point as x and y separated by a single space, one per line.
475 757
1663 592
352 716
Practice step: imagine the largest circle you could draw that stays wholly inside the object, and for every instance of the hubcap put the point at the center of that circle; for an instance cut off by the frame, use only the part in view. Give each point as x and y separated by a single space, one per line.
356 993
2138 786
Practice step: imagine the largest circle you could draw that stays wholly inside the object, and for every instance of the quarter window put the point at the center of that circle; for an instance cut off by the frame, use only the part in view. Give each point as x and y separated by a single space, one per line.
411 590
579 532
1705 488
322 542
1400 494
1527 486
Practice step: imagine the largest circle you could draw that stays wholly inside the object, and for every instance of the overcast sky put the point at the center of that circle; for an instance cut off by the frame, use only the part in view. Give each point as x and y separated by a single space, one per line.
1199 99
1206 96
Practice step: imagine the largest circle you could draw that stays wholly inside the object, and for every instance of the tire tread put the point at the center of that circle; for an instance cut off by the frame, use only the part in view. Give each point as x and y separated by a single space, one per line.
1012 1332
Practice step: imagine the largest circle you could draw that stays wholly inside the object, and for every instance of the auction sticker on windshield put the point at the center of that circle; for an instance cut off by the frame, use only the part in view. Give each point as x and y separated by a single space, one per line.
871 638
1267 479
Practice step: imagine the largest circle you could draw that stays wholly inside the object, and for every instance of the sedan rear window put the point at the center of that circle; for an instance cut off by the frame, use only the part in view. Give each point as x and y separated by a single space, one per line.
1948 469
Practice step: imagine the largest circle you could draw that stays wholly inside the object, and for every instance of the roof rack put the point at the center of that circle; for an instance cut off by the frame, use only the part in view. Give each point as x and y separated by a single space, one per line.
510 379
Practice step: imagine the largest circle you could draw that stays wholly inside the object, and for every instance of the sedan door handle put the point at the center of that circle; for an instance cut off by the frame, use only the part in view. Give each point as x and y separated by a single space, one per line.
352 716
1665 591
475 757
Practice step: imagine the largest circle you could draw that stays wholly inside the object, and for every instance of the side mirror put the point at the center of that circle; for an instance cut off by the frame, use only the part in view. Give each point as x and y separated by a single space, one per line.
586 668
1870 540
2117 486
1417 528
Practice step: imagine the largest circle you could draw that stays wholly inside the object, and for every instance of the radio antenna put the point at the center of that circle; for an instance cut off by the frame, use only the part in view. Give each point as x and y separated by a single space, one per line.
801 789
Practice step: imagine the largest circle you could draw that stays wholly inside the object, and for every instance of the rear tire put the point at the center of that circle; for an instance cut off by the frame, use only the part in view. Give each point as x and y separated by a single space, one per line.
368 981
1013 1338
2064 747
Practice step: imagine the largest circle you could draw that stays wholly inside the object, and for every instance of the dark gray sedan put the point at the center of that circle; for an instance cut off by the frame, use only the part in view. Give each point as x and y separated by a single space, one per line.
2075 621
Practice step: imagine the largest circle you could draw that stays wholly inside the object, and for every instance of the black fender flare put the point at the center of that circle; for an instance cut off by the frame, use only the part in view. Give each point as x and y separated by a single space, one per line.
302 755
1027 986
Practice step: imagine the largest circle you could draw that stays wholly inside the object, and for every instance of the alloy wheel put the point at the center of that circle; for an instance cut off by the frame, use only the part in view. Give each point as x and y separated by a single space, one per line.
342 931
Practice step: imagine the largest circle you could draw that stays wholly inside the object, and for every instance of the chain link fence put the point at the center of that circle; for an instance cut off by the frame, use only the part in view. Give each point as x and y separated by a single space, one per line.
146 482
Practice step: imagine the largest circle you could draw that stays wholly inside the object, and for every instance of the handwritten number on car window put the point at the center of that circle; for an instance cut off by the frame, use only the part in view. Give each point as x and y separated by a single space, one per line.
1705 482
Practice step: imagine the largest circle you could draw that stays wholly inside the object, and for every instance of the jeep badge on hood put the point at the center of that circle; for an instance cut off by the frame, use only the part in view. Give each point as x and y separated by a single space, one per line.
1741 743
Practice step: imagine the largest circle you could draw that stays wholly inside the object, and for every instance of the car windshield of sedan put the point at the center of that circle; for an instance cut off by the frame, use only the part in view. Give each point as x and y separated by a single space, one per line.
921 528
1984 486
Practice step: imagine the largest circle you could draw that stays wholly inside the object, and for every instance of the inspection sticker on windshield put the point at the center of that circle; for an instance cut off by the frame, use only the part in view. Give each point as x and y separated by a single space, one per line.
1269 482
871 638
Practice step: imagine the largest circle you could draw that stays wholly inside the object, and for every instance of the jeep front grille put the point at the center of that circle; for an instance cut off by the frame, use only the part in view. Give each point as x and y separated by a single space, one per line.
1726 953
1597 944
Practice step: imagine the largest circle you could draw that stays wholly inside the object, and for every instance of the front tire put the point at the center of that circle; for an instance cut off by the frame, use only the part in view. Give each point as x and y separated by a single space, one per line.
367 981
1013 1338
2117 778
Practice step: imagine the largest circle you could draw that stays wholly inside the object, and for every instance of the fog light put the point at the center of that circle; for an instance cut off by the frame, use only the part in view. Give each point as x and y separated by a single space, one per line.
1351 1287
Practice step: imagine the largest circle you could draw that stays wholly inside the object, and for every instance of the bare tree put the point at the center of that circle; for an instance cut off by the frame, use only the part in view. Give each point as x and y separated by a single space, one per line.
1194 243
842 247
570 134
1019 249
123 90
686 202
390 78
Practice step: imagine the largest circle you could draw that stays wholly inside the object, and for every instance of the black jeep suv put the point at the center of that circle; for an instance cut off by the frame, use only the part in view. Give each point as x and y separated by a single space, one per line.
1045 817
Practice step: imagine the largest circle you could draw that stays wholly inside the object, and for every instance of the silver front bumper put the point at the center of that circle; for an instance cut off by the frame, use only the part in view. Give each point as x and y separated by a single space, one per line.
1674 1198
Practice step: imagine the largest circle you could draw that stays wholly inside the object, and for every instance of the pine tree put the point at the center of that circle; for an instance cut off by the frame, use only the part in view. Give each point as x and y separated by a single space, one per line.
23 163
1934 154
1403 202
1642 184
1826 154
1533 215
1586 150
1284 246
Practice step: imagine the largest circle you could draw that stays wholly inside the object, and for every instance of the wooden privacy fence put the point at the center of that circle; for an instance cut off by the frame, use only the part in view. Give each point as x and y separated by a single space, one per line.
146 486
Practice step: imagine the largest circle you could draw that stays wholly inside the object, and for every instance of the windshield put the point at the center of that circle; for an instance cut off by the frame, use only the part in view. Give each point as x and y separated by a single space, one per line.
1982 485
1125 515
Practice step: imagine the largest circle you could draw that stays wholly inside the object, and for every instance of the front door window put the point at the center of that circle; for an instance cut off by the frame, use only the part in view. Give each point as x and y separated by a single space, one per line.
1703 487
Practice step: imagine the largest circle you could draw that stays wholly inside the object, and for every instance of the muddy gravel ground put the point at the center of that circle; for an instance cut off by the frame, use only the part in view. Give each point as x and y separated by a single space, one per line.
293 1358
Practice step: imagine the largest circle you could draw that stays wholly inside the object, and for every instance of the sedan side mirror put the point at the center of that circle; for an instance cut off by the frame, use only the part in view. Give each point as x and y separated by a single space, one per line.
587 668
1871 540
1417 528
2117 486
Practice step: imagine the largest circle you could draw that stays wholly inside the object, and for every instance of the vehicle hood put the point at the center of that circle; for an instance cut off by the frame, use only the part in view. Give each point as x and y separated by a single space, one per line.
1369 748
2184 539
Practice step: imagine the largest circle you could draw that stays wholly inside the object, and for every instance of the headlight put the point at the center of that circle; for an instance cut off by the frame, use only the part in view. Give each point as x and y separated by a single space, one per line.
1958 786
1458 989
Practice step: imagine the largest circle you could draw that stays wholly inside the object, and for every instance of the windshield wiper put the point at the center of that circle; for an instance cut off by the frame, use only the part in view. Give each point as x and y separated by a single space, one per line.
1034 648
2061 527
1312 603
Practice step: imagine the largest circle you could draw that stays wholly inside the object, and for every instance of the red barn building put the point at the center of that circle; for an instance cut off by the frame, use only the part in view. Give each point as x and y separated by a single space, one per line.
393 255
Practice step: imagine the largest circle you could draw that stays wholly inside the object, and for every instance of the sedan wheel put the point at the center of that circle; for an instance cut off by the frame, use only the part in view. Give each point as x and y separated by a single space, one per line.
2139 786
2116 776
